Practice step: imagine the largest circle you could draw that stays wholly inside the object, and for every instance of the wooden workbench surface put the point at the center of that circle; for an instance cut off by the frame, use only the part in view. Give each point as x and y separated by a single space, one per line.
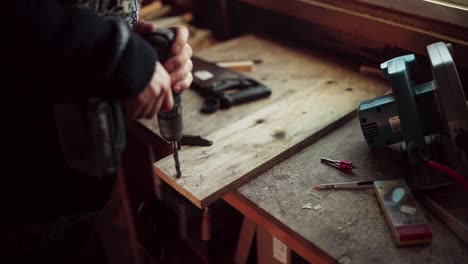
306 89
350 224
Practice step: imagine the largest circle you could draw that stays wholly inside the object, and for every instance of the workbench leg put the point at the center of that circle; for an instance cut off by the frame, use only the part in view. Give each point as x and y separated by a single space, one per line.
271 250
206 225
246 238
156 180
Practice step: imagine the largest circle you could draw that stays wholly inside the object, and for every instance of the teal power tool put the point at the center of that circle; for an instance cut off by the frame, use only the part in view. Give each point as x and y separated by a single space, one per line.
92 134
430 119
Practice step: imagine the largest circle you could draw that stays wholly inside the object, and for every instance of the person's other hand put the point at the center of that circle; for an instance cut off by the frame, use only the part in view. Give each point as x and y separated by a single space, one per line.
180 65
156 97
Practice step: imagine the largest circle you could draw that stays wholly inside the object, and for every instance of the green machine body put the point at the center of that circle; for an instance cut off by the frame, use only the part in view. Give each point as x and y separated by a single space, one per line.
430 120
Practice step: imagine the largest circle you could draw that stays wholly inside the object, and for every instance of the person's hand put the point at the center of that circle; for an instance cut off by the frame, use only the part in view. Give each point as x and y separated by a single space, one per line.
180 65
156 97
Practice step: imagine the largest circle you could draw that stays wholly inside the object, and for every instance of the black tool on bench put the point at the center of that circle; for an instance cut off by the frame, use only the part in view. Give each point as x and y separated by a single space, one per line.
223 88
194 140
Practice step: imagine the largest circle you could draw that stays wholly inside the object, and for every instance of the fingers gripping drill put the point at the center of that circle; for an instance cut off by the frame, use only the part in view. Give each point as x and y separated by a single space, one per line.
170 122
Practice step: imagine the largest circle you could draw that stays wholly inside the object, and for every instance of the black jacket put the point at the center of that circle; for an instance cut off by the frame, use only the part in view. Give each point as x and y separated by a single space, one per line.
54 52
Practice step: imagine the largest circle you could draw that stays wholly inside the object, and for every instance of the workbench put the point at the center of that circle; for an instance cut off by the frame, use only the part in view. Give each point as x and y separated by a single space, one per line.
349 225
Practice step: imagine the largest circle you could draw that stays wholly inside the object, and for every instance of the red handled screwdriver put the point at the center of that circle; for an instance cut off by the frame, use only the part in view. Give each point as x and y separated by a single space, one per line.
345 165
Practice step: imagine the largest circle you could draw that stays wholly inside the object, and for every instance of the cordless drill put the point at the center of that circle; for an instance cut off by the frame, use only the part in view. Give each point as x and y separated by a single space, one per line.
170 122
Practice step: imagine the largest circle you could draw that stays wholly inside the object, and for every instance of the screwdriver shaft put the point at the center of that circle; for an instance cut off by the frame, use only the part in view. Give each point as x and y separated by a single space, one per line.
329 161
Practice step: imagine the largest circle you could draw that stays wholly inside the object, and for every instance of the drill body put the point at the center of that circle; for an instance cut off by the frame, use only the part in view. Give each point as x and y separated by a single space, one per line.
170 127
170 122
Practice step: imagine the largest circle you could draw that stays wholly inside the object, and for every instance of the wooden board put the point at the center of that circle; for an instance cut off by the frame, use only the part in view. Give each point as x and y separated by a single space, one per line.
316 94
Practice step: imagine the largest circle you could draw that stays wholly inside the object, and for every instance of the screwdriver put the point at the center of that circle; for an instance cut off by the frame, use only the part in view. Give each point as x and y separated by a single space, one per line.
345 165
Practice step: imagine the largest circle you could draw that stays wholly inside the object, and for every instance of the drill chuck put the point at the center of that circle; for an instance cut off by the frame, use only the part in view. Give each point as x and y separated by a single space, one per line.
170 122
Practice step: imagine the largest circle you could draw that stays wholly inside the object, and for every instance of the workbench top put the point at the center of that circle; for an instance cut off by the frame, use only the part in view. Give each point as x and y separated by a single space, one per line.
311 94
350 225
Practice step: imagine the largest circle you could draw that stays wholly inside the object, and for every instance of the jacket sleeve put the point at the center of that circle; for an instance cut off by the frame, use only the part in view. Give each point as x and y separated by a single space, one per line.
74 52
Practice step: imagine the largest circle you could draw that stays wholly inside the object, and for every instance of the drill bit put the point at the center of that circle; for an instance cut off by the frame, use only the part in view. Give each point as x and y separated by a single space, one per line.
175 149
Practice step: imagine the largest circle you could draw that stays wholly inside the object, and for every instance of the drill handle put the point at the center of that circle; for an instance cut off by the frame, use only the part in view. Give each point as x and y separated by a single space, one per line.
161 40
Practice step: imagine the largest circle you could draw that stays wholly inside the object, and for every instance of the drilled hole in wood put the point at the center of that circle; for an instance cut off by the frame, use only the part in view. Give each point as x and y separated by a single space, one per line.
279 135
